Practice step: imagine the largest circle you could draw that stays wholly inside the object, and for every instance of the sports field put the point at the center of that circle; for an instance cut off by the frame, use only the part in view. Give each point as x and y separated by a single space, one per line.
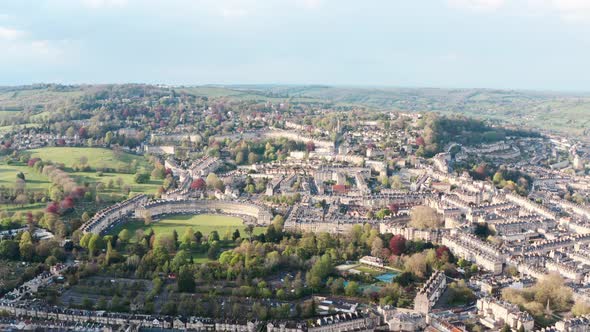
205 223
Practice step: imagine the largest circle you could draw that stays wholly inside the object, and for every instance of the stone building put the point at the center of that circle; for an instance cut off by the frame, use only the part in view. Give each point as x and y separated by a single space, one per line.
430 292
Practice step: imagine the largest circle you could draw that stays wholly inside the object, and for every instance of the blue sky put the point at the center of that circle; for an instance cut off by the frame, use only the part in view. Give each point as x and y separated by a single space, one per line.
522 44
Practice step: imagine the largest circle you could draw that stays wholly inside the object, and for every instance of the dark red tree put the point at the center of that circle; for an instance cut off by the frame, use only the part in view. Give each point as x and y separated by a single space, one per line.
32 161
82 132
78 192
394 208
441 251
52 208
198 184
397 245
67 203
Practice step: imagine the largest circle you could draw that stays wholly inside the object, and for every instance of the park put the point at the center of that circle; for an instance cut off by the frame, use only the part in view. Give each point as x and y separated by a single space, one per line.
205 223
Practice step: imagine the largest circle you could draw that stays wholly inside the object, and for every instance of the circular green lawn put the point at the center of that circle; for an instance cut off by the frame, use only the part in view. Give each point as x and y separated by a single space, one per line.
205 223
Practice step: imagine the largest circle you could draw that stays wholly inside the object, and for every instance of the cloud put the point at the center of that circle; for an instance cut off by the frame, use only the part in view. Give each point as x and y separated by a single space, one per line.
573 10
309 4
19 45
477 5
235 9
99 4
10 34
233 12
576 11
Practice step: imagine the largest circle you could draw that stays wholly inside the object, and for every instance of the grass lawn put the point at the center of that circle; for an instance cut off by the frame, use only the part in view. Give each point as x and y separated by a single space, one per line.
97 157
34 181
205 223
25 208
92 177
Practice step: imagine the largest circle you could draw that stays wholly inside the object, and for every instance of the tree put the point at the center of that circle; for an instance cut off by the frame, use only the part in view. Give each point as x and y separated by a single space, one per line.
141 177
188 237
249 230
236 234
108 137
21 199
424 217
417 264
213 181
26 251
95 243
213 250
397 245
213 236
85 216
25 238
124 235
252 158
179 260
377 247
337 286
580 308
352 289
19 185
198 184
85 239
198 236
498 178
460 293
9 249
278 222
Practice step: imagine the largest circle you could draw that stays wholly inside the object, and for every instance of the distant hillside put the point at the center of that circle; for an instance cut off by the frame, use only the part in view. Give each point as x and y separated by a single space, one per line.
561 112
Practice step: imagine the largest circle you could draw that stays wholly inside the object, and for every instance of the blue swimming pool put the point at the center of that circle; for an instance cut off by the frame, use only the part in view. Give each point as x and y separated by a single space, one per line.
386 277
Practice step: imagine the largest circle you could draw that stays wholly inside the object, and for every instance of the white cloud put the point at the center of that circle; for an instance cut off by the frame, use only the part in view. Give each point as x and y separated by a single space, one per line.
98 4
477 5
573 10
19 45
309 4
11 34
233 12
577 11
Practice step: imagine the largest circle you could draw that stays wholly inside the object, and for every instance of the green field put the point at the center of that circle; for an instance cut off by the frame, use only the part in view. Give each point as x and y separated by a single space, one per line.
34 181
97 157
205 223
92 177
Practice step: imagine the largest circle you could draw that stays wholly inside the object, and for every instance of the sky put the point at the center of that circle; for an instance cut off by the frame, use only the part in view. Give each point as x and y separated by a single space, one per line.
511 44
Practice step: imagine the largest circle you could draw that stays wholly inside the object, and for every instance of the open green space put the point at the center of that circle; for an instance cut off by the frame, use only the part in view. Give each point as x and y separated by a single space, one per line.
115 185
33 180
92 177
97 157
205 223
